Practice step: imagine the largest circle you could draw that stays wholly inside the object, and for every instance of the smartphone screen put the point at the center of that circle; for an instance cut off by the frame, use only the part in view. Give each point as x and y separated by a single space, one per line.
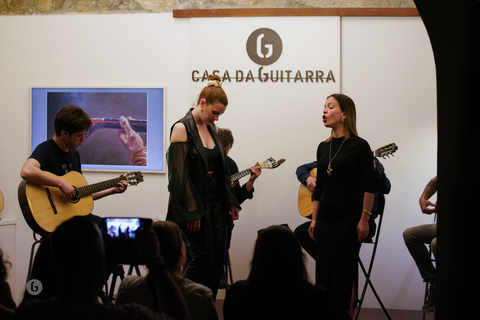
123 228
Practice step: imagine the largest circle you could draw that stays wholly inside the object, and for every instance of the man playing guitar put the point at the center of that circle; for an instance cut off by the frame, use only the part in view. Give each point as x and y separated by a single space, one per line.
306 174
59 157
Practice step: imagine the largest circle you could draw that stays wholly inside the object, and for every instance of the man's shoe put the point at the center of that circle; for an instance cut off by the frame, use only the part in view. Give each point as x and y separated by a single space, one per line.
429 305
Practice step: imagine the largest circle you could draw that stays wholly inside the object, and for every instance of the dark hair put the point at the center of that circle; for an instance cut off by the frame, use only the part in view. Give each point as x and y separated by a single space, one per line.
348 106
277 259
3 267
171 242
226 137
213 92
71 119
76 244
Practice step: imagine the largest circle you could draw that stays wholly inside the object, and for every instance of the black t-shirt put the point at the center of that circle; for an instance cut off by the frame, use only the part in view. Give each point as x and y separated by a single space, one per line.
240 191
55 160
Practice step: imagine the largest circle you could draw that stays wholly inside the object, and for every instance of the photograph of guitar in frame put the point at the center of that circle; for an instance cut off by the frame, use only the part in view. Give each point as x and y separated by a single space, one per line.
127 131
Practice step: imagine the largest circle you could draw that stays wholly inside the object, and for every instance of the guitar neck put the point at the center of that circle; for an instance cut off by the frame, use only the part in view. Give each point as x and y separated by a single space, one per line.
97 187
270 163
237 176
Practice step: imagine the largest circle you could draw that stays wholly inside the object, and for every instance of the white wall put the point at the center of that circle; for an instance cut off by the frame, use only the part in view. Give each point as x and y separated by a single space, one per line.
389 71
77 51
387 68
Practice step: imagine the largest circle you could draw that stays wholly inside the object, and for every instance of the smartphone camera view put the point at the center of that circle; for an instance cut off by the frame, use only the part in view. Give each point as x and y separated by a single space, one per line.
121 228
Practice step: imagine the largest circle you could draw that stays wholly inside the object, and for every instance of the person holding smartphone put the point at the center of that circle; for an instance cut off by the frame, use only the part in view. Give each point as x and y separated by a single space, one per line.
139 289
79 259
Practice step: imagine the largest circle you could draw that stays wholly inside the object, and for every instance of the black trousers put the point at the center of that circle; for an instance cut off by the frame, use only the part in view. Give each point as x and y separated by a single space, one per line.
207 247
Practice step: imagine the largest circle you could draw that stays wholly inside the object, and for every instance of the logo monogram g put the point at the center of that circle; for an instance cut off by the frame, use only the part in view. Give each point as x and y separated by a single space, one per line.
264 46
34 287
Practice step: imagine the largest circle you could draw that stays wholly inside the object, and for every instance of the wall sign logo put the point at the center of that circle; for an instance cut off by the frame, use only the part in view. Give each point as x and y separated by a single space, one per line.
264 46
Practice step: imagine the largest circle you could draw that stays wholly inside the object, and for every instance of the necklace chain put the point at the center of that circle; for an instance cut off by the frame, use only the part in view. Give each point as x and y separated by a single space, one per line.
330 159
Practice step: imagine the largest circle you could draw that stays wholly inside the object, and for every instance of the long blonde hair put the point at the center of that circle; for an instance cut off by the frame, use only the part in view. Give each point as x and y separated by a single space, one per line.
348 106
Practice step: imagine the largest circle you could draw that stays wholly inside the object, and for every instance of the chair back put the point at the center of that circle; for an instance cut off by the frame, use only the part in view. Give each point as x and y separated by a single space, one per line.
380 203
380 210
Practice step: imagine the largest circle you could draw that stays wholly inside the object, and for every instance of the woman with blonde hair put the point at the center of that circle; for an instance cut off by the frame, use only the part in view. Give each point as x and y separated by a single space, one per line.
200 196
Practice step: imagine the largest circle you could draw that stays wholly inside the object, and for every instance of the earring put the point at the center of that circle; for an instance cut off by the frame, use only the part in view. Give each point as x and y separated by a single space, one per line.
343 119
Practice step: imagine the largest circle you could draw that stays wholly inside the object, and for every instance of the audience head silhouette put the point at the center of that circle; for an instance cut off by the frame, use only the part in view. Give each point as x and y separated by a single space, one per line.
277 255
78 254
278 286
3 267
171 244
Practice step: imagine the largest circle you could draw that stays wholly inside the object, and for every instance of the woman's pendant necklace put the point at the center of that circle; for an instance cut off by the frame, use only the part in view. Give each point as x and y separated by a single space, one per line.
329 170
330 159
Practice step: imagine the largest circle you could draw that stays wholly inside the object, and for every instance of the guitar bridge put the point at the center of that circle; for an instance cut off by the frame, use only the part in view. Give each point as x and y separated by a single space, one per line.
52 204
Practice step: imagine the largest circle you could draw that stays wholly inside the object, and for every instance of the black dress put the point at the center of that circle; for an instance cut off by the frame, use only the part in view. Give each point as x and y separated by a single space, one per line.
341 203
198 194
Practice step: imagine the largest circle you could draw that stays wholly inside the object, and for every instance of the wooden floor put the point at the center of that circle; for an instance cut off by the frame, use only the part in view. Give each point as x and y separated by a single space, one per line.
368 314
378 314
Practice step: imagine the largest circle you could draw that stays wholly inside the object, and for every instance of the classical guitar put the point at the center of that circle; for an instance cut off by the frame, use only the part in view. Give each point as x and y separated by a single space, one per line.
270 163
44 208
305 196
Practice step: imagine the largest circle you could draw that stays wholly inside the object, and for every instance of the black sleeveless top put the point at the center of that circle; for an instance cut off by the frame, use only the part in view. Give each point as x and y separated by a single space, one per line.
213 158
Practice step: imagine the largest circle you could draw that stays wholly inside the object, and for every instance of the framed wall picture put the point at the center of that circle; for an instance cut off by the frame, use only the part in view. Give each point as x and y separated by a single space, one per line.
119 117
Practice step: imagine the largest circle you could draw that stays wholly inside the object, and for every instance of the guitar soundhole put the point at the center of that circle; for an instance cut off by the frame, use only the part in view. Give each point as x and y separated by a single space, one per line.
76 198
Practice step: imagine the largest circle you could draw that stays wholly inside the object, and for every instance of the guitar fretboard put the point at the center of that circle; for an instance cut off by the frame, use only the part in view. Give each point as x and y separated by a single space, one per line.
239 175
97 187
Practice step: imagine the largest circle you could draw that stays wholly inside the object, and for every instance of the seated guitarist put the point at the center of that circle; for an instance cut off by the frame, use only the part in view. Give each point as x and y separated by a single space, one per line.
59 156
382 185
